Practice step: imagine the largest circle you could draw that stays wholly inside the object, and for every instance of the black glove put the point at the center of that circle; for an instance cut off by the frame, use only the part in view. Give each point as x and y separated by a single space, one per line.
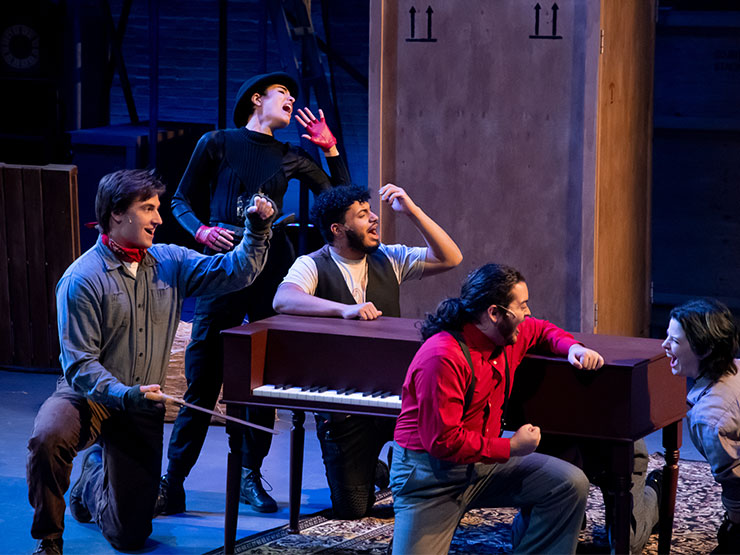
134 399
256 223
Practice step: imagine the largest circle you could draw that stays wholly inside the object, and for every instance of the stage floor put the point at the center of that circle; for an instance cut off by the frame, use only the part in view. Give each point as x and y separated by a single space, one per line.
197 531
201 528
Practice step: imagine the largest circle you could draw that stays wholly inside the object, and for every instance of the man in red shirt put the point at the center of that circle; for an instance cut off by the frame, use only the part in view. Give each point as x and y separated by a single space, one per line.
448 455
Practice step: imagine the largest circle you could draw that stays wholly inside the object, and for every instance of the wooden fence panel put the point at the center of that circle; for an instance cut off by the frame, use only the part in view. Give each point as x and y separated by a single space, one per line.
40 238
61 235
38 300
6 350
15 226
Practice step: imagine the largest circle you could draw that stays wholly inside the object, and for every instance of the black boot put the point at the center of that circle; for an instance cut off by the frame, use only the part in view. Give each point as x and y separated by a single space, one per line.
382 475
93 459
171 497
49 547
252 493
728 537
655 480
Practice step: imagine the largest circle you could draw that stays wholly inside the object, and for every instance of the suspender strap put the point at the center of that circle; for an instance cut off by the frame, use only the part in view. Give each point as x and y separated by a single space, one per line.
505 404
471 386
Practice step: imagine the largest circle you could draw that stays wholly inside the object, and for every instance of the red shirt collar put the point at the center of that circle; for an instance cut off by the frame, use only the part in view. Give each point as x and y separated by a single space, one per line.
479 341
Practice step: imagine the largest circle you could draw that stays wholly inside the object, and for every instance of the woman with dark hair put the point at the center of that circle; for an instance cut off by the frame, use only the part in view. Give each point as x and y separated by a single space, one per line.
702 343
448 454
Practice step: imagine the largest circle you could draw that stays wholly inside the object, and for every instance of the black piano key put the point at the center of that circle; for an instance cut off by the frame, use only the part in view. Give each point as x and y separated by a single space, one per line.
385 394
314 389
286 386
350 391
377 394
306 388
367 393
341 391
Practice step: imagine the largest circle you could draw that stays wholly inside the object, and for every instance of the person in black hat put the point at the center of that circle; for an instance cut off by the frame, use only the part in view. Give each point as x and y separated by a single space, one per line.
227 167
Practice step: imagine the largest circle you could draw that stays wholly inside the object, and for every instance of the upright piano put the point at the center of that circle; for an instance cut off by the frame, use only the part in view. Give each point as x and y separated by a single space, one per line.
358 367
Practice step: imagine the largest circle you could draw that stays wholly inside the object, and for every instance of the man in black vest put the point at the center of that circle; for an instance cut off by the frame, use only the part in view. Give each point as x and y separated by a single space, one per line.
355 276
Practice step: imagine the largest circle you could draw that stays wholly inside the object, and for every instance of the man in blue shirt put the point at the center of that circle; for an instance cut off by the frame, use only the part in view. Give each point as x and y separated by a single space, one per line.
118 307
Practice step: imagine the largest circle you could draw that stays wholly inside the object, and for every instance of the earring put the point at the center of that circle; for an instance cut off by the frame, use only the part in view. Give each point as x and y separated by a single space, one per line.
129 220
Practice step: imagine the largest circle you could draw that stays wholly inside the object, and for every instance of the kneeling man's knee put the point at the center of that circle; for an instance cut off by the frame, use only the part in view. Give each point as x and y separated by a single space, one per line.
579 482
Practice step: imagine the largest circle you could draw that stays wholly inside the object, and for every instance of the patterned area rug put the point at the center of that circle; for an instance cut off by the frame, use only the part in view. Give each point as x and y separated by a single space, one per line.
175 384
482 531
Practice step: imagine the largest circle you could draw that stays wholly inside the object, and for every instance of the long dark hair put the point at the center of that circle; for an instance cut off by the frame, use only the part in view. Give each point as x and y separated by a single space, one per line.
488 285
712 334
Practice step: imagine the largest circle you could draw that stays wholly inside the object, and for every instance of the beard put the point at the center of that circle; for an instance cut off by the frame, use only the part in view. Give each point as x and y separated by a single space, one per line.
508 332
354 241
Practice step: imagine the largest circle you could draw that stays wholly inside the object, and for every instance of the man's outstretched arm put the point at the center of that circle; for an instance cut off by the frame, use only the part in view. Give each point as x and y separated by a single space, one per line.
443 253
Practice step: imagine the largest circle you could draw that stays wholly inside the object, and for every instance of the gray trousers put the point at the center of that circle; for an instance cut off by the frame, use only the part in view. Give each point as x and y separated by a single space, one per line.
430 497
121 492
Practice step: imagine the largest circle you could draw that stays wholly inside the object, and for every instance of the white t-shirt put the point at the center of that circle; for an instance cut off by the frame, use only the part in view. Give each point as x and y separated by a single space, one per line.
407 262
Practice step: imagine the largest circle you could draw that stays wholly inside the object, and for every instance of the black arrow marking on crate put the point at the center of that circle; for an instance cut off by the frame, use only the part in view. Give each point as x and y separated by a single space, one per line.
412 16
537 9
537 35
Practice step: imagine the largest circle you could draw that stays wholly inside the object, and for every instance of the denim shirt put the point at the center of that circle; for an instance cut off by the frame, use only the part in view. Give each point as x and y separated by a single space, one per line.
116 330
714 427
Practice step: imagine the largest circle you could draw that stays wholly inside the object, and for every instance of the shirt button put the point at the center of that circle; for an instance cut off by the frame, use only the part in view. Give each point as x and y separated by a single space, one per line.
139 305
141 355
137 379
141 329
495 362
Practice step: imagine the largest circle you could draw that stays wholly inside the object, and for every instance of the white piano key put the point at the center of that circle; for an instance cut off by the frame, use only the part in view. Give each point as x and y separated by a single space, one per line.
266 390
328 396
294 393
392 402
358 398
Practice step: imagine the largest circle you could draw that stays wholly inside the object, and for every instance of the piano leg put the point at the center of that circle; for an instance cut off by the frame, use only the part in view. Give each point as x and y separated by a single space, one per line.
671 444
620 482
233 475
297 437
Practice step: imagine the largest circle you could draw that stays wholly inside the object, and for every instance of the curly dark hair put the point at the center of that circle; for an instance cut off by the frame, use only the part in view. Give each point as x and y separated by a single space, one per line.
485 286
331 206
712 334
119 190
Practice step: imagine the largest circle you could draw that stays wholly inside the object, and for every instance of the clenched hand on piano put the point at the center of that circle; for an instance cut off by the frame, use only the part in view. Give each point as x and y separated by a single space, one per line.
584 358
364 311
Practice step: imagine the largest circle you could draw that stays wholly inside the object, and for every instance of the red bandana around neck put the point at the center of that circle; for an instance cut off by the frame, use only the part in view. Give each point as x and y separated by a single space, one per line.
124 254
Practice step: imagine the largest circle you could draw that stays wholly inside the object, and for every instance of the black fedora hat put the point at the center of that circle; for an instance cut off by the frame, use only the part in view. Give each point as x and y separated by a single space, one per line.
257 84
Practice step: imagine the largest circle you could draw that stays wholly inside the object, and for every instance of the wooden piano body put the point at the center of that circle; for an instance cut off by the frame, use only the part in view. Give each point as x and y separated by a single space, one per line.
633 395
303 351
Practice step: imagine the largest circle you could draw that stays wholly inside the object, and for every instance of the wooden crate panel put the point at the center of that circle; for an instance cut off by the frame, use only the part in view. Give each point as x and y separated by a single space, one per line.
40 238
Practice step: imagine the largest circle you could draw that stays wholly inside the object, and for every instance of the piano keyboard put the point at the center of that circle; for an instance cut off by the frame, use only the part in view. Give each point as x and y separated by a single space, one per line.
382 399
